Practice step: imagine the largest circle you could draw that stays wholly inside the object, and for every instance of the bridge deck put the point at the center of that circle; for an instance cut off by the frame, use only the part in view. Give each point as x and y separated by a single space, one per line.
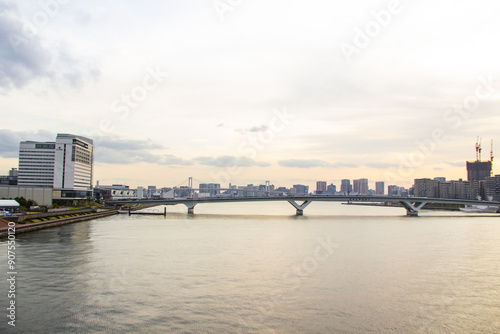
411 204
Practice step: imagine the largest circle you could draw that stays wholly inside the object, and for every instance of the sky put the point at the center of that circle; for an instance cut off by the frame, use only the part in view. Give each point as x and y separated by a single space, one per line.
244 91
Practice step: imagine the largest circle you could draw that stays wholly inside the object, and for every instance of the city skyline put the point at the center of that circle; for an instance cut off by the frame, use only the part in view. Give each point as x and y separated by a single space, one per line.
309 93
359 186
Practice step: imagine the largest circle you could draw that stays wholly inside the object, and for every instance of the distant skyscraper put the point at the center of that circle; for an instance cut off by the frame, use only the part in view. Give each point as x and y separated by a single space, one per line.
478 170
320 187
361 186
380 188
345 186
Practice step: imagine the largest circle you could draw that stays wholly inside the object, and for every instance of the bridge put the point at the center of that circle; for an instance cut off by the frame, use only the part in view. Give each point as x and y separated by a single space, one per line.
411 204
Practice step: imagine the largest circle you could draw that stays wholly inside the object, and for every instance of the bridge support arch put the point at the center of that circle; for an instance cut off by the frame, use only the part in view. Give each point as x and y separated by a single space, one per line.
190 206
300 208
412 208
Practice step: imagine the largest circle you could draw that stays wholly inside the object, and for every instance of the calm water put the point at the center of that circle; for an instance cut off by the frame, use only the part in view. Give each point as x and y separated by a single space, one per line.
255 268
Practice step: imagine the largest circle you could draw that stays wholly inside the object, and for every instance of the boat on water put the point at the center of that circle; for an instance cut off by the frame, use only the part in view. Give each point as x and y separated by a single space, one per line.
480 209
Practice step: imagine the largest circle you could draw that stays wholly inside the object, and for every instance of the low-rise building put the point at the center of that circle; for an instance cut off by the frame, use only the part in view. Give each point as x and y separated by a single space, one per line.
8 205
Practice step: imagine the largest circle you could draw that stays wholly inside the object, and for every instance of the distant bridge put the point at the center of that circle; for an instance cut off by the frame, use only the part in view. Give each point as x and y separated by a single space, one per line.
411 204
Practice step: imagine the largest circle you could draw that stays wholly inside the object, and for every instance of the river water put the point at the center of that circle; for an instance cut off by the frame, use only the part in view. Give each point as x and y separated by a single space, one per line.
257 268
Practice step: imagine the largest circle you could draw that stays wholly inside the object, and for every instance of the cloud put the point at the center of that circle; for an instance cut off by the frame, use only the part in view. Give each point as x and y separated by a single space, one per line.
25 56
10 140
116 150
227 161
381 165
126 157
169 159
311 163
254 129
456 164
128 144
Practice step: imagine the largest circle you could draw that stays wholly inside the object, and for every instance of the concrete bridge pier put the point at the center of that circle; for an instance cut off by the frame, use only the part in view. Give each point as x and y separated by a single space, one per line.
190 207
412 208
300 208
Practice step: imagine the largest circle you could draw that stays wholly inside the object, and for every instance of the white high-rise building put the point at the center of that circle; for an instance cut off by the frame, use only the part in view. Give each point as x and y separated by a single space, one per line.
67 165
74 162
36 164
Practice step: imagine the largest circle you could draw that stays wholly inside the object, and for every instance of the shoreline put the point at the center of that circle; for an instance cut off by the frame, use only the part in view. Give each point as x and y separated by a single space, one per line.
23 228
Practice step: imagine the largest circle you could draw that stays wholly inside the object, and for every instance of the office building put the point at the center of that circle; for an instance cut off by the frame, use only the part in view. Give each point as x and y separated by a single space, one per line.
331 189
380 188
446 190
301 189
114 192
478 170
345 187
11 179
393 190
425 187
210 189
320 187
65 165
36 164
140 192
73 167
492 188
360 186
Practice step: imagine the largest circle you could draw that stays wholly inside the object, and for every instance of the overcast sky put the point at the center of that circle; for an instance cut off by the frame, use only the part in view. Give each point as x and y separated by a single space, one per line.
245 91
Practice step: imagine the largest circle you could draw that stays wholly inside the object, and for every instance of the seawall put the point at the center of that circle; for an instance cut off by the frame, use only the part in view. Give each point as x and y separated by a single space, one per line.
23 228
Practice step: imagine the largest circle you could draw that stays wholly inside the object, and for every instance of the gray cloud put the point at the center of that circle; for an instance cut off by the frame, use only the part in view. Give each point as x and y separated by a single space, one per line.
381 165
25 56
254 129
115 150
311 163
456 164
125 157
171 160
10 140
128 144
227 161
297 163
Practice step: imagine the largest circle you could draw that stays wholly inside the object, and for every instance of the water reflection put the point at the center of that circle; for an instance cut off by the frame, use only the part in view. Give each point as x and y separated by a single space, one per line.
262 272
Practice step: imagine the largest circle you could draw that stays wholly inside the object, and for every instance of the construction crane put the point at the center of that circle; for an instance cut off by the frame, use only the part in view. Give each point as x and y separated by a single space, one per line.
491 153
478 149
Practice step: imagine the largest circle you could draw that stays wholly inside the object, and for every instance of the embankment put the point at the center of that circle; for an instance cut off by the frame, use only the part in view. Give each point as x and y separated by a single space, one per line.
22 228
